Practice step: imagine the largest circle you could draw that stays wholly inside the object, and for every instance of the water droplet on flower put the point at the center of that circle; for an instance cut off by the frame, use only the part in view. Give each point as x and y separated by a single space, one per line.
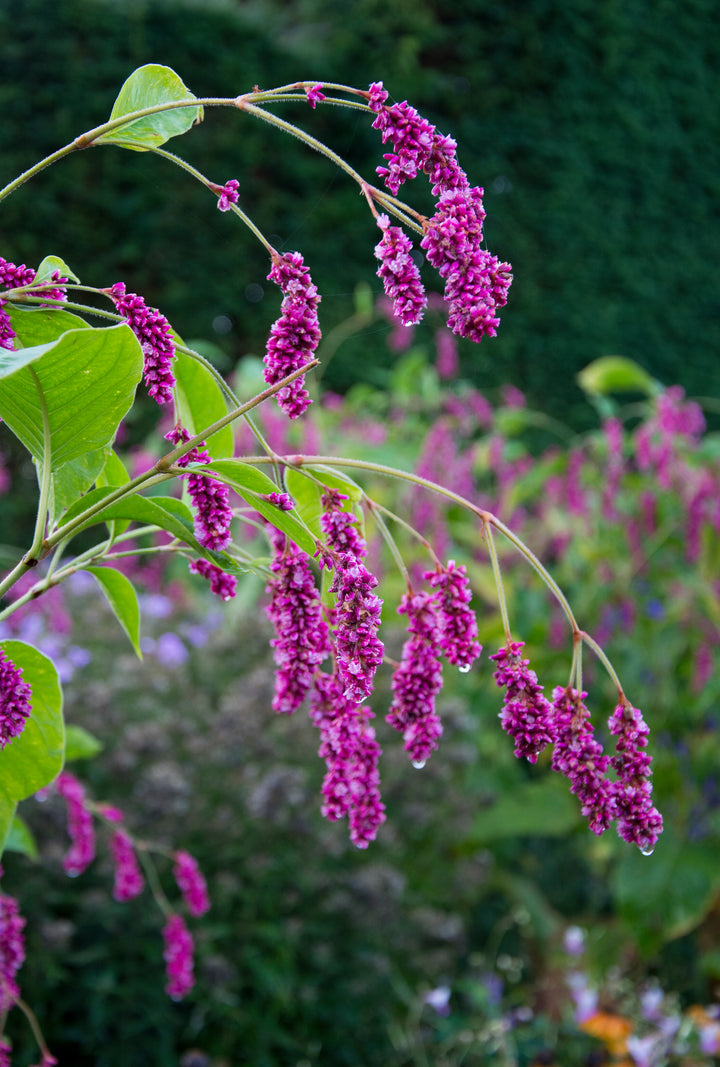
465 668
418 764
647 851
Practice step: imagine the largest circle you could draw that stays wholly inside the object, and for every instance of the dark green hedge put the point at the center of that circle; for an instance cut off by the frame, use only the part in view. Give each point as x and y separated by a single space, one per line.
593 127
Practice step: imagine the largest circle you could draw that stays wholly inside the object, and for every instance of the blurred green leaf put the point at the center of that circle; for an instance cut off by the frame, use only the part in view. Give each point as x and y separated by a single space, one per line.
122 598
80 743
615 374
20 839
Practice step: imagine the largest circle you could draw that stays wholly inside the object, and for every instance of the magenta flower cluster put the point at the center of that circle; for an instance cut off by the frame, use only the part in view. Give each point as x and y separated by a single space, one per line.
418 679
14 277
79 824
211 498
154 334
527 715
534 723
351 786
358 649
191 883
129 882
12 951
476 282
399 273
222 584
314 95
457 624
301 641
295 336
14 701
178 956
229 195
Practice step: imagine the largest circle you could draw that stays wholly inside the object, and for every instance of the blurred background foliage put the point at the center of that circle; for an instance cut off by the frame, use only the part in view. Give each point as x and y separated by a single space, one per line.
593 128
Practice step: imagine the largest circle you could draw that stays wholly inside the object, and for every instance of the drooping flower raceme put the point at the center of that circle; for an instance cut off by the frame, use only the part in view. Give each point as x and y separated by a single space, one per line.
347 744
527 715
211 498
457 623
301 641
191 883
154 333
399 273
14 701
418 679
14 277
80 825
639 822
579 757
178 955
295 335
129 882
221 584
12 950
340 526
356 620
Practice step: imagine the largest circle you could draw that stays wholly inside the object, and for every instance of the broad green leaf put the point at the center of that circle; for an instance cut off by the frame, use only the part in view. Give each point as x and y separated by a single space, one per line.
87 378
80 744
201 403
33 759
51 264
38 326
114 474
72 480
252 485
147 86
616 374
20 839
121 596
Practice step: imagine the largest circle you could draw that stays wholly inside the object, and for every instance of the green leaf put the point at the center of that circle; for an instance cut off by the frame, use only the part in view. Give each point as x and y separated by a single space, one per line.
20 839
34 758
542 807
615 374
73 479
51 264
201 403
147 86
38 326
87 378
114 474
252 484
121 596
308 496
80 744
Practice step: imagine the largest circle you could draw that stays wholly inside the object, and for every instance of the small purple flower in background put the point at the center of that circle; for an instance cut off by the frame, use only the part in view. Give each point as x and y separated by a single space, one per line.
80 825
14 701
213 514
221 584
191 883
527 716
579 757
229 195
178 956
314 95
418 679
129 882
639 823
584 996
154 333
356 620
171 650
295 335
574 941
12 950
399 273
439 999
302 640
457 623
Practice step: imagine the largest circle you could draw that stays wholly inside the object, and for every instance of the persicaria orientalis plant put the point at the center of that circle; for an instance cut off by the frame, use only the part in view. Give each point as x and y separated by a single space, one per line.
66 384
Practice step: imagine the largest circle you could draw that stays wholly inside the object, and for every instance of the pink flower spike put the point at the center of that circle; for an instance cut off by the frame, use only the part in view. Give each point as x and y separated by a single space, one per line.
639 823
178 956
314 95
229 195
154 333
399 273
356 620
129 881
14 701
211 498
456 621
80 825
418 679
12 951
221 584
295 335
191 883
527 715
579 757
